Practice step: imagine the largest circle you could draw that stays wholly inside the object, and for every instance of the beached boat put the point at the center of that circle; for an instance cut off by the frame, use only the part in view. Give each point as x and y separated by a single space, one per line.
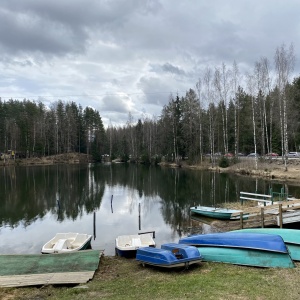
233 239
251 249
127 245
67 242
170 255
216 213
246 257
291 238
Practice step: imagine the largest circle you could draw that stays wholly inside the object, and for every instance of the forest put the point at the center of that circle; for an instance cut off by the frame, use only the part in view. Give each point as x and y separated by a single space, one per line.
225 113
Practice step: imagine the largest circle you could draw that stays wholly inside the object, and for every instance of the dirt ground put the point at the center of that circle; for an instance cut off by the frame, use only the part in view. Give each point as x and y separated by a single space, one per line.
269 169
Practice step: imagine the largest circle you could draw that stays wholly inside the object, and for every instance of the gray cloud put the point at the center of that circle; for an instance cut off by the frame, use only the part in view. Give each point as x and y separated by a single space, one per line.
129 56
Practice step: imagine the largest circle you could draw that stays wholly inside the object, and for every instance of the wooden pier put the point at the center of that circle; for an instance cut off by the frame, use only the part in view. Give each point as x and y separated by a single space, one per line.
271 215
278 214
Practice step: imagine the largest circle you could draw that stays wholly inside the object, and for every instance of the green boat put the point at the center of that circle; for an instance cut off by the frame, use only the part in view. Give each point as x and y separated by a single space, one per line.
216 213
246 257
291 238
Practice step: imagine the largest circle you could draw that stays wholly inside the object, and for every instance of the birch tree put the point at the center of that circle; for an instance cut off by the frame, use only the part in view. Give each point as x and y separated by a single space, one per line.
199 90
209 97
284 65
235 84
222 85
251 89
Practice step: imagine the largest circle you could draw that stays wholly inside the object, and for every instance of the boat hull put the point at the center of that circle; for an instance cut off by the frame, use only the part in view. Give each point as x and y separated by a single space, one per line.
127 245
246 257
169 256
291 238
67 243
243 240
216 213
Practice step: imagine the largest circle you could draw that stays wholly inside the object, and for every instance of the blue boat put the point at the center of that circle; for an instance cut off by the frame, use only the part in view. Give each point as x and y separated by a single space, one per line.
251 249
291 238
232 239
169 256
217 213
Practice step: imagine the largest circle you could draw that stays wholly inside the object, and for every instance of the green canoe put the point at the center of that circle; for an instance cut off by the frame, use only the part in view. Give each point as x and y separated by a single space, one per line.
247 257
291 238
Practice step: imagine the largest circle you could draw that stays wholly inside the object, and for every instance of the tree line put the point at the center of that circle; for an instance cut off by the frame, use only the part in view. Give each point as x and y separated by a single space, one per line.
32 129
225 112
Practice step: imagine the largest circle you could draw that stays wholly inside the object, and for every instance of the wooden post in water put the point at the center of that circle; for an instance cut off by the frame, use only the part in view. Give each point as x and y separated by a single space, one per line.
94 224
241 219
280 215
262 217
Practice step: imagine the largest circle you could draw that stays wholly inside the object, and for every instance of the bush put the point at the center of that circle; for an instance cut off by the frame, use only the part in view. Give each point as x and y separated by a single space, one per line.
223 162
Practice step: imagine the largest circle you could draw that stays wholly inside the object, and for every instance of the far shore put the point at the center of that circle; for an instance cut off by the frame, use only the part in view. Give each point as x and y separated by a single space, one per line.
268 169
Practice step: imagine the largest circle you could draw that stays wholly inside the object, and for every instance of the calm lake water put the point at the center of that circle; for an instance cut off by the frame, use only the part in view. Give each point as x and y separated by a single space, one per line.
107 200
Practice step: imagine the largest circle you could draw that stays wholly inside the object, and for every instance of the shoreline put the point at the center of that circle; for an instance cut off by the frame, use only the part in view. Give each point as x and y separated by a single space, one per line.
267 169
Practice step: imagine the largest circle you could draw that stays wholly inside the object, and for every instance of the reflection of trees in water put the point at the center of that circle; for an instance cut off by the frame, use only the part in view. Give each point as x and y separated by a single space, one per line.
29 193
32 192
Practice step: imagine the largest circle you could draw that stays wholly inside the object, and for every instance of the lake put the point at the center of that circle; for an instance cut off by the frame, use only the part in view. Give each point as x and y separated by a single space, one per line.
107 200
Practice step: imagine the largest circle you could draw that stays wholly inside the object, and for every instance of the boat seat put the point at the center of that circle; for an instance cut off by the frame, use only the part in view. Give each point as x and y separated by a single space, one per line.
79 239
61 244
136 242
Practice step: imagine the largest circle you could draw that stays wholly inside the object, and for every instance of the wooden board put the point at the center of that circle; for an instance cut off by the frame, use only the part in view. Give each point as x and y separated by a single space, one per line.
46 279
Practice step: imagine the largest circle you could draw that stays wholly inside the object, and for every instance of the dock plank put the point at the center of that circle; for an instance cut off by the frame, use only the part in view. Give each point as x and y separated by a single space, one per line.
46 279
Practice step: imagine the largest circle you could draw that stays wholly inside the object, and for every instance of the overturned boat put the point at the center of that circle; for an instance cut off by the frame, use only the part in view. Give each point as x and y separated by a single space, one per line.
291 238
251 249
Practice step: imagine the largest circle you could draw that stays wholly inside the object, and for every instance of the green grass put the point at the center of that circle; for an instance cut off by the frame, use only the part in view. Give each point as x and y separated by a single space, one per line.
119 278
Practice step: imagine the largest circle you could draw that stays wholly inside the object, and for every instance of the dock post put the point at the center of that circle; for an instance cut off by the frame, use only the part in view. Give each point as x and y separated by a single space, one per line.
241 219
262 217
280 215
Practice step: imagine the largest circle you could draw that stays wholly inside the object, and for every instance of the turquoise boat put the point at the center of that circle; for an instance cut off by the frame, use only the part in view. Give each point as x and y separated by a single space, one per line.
216 213
291 238
246 257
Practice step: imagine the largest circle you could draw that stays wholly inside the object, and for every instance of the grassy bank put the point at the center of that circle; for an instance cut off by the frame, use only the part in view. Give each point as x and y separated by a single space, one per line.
119 278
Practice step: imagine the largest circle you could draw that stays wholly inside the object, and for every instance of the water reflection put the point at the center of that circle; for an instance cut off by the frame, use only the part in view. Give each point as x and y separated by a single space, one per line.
109 200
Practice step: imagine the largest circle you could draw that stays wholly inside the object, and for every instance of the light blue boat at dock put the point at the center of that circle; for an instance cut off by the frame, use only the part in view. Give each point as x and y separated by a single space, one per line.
217 213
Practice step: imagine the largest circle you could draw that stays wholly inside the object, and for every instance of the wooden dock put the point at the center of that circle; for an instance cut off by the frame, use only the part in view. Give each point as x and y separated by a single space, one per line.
44 269
276 215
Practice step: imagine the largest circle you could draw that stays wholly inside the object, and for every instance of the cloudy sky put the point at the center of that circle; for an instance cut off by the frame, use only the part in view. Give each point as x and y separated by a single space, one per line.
121 56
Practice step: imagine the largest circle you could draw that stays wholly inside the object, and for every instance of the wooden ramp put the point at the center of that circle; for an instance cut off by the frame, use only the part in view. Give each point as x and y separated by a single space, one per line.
43 269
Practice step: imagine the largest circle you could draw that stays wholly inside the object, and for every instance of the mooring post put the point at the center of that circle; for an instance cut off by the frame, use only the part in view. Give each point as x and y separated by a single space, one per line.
280 215
241 219
262 217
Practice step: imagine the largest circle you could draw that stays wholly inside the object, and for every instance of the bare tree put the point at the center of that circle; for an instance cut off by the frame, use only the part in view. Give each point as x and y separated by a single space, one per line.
209 97
250 85
222 85
284 65
235 84
199 88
